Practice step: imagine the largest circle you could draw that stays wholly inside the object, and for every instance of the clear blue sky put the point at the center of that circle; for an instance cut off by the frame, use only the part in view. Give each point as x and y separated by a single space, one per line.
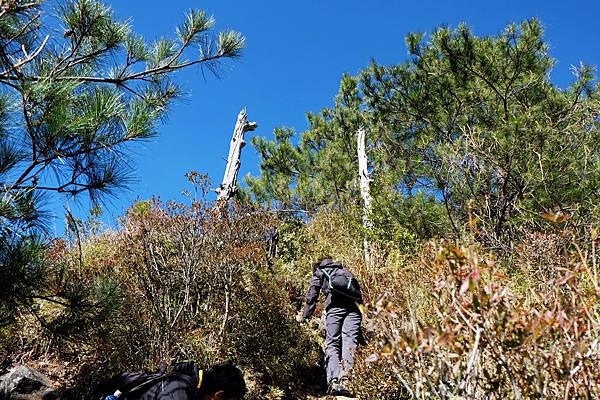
296 54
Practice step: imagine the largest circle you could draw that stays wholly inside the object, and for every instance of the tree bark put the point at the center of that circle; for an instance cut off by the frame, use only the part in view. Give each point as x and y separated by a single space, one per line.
229 185
365 179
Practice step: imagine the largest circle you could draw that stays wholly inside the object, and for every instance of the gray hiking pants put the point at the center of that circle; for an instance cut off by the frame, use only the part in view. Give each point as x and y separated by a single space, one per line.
342 327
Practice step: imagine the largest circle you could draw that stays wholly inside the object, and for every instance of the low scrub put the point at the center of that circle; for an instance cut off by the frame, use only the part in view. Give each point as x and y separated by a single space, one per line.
173 282
490 332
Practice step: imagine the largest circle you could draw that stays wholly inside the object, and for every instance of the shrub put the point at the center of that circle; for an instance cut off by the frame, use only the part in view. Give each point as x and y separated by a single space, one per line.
173 282
483 339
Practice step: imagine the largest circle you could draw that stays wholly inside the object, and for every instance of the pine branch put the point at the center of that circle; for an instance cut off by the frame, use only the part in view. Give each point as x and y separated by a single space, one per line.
21 32
27 60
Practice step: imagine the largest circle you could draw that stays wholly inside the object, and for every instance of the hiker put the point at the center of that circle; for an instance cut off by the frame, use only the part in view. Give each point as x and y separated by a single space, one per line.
342 319
184 381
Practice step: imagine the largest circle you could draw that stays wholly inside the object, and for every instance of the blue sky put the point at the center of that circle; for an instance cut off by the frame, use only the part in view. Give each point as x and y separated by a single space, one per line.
296 54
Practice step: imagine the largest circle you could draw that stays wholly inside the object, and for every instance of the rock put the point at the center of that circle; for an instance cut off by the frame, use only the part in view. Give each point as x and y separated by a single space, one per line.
23 383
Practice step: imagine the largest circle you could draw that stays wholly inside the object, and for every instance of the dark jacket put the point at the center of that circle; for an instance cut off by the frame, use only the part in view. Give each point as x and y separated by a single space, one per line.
179 384
176 387
319 282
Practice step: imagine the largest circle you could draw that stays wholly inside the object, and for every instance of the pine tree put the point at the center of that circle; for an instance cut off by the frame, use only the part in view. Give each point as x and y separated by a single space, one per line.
321 169
70 104
468 130
478 121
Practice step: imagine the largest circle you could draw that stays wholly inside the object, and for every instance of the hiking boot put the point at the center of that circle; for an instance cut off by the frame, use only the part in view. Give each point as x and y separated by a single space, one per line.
333 386
341 388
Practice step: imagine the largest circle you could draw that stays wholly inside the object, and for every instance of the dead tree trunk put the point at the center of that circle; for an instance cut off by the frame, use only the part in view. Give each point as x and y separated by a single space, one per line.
229 185
363 174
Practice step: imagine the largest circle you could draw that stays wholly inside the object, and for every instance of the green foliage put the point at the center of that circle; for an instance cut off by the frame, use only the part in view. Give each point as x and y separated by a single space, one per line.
478 121
468 138
230 44
472 124
196 22
21 272
72 101
319 170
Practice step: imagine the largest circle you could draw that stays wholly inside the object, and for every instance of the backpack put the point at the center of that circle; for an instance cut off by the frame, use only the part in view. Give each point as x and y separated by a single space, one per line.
341 281
135 384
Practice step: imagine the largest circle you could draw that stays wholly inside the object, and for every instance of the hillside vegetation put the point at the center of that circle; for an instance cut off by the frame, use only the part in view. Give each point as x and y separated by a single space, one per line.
481 276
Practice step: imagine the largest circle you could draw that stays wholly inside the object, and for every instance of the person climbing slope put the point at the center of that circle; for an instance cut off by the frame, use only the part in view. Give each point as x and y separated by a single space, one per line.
342 321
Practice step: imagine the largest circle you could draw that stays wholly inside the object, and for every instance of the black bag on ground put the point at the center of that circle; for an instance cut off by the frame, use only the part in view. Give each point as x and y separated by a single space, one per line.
181 377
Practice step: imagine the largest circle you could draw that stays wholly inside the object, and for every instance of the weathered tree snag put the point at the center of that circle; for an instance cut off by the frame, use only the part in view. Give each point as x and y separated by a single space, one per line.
363 174
229 185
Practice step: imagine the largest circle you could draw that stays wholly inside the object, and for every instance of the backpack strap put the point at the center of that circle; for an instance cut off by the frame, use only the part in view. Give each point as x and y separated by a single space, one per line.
146 384
327 275
200 377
